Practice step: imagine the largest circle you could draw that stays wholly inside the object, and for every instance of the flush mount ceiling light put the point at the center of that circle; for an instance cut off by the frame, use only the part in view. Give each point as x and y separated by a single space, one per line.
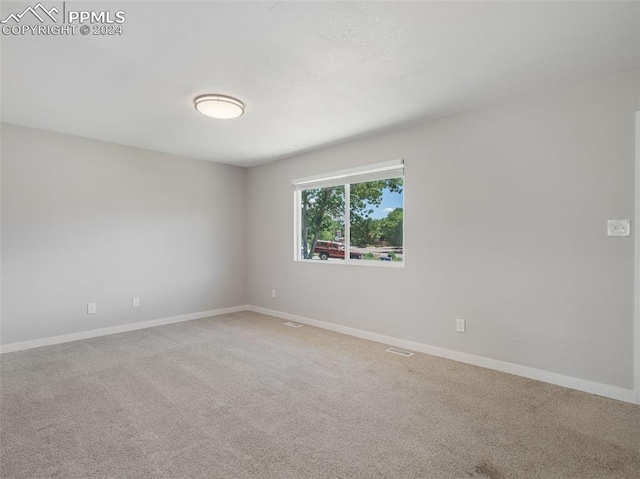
219 106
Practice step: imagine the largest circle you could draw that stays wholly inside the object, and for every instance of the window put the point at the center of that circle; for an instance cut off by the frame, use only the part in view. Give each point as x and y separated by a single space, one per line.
352 216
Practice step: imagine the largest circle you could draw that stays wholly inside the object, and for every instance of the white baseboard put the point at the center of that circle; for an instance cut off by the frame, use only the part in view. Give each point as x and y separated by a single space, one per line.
94 333
599 389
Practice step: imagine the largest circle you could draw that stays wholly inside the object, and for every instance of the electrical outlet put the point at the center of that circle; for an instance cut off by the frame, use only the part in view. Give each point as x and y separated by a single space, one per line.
461 326
618 228
92 308
273 293
135 302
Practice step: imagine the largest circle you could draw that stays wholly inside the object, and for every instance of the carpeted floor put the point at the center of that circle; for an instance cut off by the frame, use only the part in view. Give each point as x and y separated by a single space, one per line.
243 396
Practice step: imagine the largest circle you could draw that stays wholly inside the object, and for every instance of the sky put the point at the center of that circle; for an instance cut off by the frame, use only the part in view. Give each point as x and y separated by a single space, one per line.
390 201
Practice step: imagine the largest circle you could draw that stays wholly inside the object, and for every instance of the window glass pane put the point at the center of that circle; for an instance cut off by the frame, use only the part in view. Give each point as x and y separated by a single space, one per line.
322 224
376 220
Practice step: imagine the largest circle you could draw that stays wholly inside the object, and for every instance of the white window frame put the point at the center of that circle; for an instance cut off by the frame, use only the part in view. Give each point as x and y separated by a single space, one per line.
389 169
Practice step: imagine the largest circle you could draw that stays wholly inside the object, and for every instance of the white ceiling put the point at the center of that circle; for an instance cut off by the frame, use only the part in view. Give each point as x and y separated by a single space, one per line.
310 73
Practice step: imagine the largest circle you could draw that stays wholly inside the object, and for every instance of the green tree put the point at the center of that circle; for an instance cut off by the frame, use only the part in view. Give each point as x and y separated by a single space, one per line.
391 227
322 209
363 199
364 230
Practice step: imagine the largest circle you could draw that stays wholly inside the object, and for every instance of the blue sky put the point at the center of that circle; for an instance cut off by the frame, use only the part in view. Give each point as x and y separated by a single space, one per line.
390 201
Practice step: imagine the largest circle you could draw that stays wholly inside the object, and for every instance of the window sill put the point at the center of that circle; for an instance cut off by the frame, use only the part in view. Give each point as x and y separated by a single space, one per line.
355 262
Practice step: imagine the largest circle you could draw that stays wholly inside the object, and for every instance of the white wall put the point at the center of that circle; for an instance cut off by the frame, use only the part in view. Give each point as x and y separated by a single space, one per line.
86 221
505 212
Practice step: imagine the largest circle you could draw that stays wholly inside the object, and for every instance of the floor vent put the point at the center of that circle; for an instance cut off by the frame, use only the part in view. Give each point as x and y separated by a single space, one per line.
399 351
293 325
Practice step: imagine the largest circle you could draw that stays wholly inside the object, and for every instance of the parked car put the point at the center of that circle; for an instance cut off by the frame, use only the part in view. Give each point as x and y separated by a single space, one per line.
333 249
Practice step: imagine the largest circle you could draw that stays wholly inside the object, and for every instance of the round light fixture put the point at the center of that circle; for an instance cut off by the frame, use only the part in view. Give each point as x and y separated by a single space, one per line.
219 106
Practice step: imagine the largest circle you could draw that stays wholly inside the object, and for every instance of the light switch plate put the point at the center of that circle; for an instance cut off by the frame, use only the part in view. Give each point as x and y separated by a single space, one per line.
618 228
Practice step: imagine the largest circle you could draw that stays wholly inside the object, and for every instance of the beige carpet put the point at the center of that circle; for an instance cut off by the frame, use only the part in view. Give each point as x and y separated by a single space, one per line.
243 396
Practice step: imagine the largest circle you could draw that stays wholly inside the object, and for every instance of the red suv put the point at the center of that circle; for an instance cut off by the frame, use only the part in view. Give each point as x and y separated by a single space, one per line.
333 249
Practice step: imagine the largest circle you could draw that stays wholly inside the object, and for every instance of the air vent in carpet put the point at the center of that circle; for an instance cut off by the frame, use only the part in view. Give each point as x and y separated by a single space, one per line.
399 351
